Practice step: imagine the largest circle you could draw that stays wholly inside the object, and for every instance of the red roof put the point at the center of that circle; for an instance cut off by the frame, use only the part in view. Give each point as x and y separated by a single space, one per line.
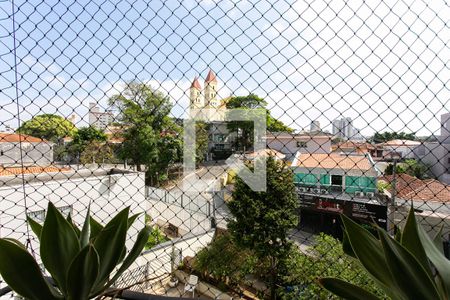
211 77
196 84
15 138
412 188
332 161
10 171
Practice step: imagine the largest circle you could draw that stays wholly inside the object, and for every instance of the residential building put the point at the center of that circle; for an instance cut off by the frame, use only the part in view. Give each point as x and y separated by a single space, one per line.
437 154
305 142
214 112
315 126
107 191
249 156
21 148
344 129
330 184
402 149
99 119
358 148
430 198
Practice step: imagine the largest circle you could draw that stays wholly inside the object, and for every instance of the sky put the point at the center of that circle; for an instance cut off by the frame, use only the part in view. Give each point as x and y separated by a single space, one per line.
385 65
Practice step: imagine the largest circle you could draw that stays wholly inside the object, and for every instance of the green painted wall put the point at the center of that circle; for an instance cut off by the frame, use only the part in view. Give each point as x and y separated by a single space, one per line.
352 183
312 179
359 184
325 179
306 178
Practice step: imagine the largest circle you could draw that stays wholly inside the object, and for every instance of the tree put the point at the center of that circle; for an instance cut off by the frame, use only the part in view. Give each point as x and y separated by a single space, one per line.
326 258
262 219
83 137
245 128
388 136
411 167
222 259
201 141
96 152
150 135
49 127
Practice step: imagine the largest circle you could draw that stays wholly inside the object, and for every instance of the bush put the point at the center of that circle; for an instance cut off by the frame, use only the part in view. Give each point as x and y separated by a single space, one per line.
326 258
224 261
156 237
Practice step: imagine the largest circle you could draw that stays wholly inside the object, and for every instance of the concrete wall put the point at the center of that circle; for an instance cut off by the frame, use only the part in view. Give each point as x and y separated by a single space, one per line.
189 212
289 145
431 215
436 156
108 194
40 154
158 259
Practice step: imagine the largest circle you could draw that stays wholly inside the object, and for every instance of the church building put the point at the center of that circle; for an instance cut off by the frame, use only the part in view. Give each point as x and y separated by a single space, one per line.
220 139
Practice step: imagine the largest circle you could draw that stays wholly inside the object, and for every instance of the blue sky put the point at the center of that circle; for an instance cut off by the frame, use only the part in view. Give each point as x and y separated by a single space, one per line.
386 66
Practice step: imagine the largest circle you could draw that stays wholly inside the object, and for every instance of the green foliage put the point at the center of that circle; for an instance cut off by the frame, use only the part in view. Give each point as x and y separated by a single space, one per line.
80 261
150 135
156 237
262 219
49 127
223 260
252 102
411 167
389 136
325 258
84 136
201 141
96 152
383 185
410 266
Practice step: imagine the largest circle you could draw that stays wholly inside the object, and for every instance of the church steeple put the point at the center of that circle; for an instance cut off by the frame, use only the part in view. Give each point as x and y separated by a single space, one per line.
211 77
196 94
211 90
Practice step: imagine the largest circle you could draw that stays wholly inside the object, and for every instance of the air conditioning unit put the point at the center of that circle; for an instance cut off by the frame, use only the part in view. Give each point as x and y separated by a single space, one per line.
370 194
359 194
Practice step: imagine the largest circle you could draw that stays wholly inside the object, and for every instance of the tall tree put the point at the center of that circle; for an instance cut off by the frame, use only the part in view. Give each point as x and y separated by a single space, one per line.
151 137
201 141
245 128
49 127
262 219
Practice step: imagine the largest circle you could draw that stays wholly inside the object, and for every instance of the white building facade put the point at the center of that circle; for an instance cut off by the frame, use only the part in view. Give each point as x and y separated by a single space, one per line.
437 154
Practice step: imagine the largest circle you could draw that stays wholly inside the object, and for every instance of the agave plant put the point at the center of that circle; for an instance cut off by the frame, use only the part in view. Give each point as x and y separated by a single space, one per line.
80 262
410 265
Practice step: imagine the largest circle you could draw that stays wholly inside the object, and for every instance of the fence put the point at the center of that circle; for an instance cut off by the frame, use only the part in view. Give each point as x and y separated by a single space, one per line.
96 99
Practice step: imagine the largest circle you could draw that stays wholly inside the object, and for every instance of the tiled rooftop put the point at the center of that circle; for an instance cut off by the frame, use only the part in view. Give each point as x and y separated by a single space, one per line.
10 171
331 161
15 138
412 188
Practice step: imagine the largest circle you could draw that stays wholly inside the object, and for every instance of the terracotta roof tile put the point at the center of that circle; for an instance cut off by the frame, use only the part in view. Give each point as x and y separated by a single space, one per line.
412 188
11 171
196 84
331 161
211 77
15 138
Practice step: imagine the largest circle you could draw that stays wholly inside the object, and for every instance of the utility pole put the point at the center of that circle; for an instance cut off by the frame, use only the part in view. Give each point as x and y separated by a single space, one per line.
391 205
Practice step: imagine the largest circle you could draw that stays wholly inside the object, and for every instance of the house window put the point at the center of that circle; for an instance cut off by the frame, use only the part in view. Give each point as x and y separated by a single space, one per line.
301 144
65 210
38 216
